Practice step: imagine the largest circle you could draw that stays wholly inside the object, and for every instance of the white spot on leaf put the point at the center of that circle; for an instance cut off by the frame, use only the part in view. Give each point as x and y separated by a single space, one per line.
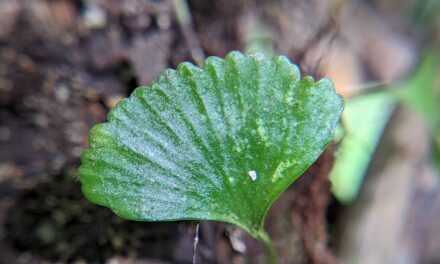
253 175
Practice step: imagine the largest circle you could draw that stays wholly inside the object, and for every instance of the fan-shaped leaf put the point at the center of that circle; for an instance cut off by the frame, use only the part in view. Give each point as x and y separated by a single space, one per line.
219 142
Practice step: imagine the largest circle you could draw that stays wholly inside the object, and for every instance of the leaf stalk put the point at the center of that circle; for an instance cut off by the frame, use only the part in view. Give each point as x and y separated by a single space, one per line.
265 239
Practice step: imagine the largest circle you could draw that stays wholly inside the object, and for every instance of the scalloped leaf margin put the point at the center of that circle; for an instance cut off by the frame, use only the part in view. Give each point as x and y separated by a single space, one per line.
220 142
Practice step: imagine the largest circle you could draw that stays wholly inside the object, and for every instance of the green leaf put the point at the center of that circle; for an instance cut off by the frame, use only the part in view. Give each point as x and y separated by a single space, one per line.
366 116
219 142
436 150
364 119
421 91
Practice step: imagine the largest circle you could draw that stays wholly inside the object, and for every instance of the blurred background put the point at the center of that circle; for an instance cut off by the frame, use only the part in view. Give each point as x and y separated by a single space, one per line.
65 63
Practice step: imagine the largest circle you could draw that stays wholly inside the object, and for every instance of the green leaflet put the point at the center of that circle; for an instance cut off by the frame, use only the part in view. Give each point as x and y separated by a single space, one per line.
364 118
421 93
219 142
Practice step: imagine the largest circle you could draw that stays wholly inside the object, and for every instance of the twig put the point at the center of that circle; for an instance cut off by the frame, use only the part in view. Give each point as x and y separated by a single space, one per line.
196 241
374 87
184 19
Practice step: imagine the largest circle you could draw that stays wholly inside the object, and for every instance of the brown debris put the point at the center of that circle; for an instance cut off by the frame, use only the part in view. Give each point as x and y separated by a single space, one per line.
297 220
63 12
148 56
308 211
388 54
64 63
9 11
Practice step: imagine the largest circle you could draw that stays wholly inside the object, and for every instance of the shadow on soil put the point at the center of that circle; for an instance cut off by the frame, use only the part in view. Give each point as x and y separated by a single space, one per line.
55 221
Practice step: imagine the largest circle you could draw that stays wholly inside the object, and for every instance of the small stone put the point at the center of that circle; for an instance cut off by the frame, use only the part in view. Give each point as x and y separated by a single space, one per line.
10 171
63 11
92 95
58 163
236 239
27 63
77 151
62 93
164 21
75 132
112 100
97 110
94 16
41 120
143 21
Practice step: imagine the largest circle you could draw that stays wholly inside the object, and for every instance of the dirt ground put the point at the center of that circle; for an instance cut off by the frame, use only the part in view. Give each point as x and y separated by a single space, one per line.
65 63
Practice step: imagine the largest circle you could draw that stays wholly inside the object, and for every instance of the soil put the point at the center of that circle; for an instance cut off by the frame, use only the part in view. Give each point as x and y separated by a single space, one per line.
65 63
54 221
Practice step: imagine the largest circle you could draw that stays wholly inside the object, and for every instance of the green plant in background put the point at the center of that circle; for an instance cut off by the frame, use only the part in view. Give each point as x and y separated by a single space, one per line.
365 117
220 142
422 94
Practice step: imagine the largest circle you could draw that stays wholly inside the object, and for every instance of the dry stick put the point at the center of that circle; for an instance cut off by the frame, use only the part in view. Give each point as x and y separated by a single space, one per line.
196 241
334 34
184 19
332 27
325 29
374 87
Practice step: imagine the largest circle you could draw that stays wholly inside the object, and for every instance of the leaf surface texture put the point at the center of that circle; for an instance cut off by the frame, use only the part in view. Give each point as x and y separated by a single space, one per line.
220 142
